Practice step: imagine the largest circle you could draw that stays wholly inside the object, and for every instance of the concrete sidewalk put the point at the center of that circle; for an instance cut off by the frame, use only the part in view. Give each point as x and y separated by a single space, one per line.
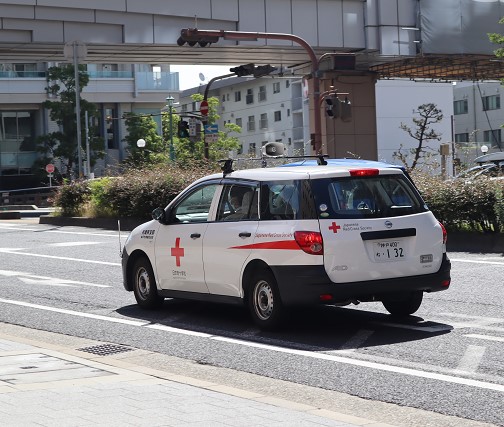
78 382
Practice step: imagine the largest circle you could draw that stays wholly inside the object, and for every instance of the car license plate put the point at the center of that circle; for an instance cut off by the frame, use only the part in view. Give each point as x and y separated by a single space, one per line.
389 251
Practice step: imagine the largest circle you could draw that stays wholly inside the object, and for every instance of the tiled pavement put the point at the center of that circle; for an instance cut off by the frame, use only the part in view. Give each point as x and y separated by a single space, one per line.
50 385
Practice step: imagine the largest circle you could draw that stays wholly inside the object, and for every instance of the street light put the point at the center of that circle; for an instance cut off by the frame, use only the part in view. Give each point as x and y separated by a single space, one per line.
169 103
141 143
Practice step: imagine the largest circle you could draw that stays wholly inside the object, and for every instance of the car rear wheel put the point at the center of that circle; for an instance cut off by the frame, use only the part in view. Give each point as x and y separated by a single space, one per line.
264 300
403 305
144 285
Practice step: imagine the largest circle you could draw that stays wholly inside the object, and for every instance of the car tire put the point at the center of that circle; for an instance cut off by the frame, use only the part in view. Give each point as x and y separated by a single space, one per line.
264 301
144 285
403 305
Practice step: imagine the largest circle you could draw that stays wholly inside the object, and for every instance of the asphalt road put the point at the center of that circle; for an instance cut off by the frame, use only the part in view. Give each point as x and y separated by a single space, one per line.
448 358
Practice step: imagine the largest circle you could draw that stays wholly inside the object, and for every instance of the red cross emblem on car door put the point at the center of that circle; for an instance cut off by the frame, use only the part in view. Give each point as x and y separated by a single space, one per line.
177 251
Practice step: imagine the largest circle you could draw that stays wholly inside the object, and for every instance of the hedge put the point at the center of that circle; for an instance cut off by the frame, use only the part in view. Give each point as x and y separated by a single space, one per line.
459 205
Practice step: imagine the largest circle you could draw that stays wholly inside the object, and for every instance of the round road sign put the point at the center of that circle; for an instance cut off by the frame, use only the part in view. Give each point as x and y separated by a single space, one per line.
204 108
49 168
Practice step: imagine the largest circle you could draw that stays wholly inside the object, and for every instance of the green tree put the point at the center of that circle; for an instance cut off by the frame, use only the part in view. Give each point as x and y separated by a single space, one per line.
194 147
62 145
429 114
143 126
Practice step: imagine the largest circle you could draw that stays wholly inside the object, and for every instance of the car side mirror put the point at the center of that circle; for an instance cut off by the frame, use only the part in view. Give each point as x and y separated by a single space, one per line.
159 214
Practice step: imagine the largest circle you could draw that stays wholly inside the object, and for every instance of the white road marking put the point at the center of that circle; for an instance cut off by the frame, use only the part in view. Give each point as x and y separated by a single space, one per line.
485 337
471 359
304 353
355 341
75 313
416 327
124 234
477 261
9 251
44 280
480 320
65 244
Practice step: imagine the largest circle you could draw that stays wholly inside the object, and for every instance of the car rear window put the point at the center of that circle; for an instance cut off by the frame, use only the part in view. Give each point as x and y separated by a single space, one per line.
377 196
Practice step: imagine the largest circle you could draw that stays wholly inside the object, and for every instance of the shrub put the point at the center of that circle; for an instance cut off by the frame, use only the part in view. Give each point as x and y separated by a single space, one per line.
460 205
72 197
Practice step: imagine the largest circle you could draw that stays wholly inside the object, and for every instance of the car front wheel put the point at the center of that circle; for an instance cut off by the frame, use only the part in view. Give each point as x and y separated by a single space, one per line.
403 305
264 300
144 285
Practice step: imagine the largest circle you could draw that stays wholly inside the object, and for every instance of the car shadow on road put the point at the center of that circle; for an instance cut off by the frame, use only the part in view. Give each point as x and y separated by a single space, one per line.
323 328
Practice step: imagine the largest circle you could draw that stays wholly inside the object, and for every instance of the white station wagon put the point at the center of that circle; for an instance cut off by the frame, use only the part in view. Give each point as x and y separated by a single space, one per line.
337 232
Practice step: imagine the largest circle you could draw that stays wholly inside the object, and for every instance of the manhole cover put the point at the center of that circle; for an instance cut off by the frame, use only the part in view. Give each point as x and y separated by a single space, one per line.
105 349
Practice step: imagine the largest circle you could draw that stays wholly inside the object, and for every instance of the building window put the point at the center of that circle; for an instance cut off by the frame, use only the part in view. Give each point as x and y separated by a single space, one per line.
240 149
223 98
227 96
492 136
237 96
263 122
239 122
184 108
262 93
460 107
252 148
17 142
491 102
276 87
462 137
111 128
250 97
278 116
288 112
287 83
251 124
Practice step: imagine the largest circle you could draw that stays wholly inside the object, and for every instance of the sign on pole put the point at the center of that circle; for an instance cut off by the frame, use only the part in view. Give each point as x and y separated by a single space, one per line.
204 108
49 168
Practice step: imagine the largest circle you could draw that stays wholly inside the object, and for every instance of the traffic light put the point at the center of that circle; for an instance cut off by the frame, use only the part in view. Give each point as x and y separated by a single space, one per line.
346 110
183 129
263 70
333 107
192 37
243 70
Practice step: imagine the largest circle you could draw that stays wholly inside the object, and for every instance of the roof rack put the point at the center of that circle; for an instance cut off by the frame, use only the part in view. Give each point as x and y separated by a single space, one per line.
227 166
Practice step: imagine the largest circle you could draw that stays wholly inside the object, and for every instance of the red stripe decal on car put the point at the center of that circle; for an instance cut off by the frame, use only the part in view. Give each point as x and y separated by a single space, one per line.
282 244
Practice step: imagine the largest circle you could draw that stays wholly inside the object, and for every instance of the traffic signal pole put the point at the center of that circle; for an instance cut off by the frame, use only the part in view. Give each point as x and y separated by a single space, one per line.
205 117
194 35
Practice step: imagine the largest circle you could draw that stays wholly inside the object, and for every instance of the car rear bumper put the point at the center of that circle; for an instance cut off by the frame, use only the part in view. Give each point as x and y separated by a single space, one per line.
302 285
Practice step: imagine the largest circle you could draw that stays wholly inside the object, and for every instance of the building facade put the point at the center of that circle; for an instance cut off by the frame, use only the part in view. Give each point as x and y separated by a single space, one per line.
478 119
115 89
268 109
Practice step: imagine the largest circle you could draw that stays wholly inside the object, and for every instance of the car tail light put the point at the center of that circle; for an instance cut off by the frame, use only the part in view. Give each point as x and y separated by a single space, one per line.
445 234
364 172
310 241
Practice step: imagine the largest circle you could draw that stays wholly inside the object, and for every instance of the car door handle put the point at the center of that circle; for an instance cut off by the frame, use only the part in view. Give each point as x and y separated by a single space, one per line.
195 236
245 234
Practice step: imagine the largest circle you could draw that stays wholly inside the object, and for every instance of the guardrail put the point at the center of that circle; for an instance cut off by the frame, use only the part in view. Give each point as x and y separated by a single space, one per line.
40 196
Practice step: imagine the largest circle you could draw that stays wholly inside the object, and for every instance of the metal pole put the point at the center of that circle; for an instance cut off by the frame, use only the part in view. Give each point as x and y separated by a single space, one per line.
205 120
88 154
77 108
244 35
172 152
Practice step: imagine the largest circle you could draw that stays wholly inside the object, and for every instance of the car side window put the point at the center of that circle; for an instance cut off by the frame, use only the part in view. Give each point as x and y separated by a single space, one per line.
238 202
195 207
279 200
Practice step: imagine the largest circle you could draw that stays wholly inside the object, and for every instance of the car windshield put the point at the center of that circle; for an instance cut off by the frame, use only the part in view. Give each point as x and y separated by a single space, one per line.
367 197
